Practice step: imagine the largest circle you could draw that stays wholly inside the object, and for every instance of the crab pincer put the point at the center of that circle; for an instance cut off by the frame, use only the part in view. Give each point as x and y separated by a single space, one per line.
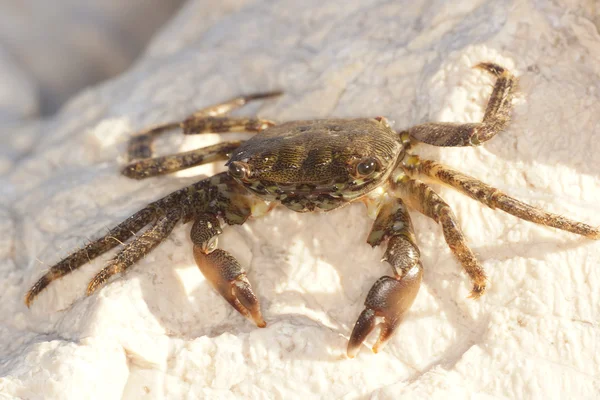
223 271
390 298
228 278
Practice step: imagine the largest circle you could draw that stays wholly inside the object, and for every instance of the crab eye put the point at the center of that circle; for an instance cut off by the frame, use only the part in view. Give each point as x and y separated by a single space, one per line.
367 166
239 170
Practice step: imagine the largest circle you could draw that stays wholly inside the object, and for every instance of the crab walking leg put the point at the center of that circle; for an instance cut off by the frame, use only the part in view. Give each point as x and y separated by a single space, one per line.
234 103
137 249
494 198
150 167
422 198
141 145
495 119
114 237
390 297
218 193
193 126
222 270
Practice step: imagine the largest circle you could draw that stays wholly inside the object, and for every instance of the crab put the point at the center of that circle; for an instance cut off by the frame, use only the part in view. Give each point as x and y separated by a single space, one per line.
314 165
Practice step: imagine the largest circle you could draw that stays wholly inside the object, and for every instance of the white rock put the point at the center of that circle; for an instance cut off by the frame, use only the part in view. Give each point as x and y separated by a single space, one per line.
161 332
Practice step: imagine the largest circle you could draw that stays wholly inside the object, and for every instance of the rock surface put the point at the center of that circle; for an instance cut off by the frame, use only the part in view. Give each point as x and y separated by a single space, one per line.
161 332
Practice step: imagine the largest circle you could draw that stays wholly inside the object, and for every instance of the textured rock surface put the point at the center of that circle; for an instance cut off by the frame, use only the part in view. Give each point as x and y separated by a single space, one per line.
160 331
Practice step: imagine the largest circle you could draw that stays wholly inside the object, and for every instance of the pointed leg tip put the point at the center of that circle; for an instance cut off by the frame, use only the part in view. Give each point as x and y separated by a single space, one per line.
37 288
275 93
264 95
490 67
130 171
351 352
477 292
90 289
385 335
380 344
253 314
261 323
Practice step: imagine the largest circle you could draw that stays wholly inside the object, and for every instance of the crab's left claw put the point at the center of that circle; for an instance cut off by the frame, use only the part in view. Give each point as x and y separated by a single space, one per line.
222 270
228 278
389 298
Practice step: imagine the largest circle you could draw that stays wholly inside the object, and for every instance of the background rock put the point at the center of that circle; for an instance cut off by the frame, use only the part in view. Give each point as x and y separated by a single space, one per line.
160 331
63 46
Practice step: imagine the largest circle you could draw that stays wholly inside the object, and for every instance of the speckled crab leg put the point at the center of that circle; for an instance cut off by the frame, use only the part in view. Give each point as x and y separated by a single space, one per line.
137 249
150 167
495 119
214 196
494 198
193 126
159 214
219 195
202 121
424 199
390 297
113 238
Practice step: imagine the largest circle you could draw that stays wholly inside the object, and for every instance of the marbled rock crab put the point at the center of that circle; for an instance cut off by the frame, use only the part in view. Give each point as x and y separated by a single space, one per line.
308 166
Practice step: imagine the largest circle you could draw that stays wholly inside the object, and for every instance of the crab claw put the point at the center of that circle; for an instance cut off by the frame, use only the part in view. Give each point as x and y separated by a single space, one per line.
389 298
228 278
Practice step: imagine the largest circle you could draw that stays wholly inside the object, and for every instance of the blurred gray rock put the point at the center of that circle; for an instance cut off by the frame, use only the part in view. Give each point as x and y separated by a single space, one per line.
49 50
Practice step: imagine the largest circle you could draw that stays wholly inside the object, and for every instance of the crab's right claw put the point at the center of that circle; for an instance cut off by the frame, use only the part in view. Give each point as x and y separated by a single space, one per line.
389 298
228 278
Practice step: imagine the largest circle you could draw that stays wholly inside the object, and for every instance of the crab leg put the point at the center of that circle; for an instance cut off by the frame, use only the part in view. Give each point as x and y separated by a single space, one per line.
137 249
197 125
114 237
234 103
390 297
495 119
149 167
494 198
117 235
141 145
218 194
423 199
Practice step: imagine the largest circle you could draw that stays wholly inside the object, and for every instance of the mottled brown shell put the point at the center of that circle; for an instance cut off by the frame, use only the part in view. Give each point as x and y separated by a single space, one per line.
319 150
